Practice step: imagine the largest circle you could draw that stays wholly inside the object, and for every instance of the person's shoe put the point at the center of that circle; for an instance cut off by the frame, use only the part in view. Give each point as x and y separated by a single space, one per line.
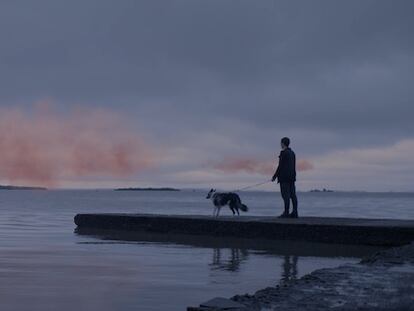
284 215
293 215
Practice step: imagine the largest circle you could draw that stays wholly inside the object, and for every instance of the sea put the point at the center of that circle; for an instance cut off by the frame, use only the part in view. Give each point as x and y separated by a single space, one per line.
45 264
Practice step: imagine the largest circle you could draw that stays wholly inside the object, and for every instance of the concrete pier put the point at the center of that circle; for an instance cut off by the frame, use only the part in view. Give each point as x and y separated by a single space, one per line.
378 232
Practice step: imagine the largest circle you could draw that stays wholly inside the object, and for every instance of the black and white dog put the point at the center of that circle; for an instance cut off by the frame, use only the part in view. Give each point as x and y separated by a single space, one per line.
221 199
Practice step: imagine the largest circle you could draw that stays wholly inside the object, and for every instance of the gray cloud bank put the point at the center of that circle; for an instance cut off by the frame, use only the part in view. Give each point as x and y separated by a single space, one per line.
209 79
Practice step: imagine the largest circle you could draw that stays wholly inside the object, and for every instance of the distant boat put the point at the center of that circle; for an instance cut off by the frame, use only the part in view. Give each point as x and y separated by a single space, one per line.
10 187
147 189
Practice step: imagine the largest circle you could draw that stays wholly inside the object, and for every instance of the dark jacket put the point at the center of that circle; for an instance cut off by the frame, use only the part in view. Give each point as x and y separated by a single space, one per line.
286 171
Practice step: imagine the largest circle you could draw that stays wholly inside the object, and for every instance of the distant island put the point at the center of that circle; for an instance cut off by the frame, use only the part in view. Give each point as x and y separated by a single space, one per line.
323 190
9 187
147 189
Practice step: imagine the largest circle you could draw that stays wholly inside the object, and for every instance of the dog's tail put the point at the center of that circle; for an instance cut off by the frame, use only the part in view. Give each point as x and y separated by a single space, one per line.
243 207
240 205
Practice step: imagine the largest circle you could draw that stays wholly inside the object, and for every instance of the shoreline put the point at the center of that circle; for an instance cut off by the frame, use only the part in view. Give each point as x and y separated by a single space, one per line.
382 281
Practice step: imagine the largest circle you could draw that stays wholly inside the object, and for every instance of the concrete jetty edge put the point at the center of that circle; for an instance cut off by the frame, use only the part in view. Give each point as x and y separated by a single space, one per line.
379 232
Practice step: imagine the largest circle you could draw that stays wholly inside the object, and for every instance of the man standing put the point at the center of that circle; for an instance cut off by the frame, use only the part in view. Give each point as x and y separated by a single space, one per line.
286 176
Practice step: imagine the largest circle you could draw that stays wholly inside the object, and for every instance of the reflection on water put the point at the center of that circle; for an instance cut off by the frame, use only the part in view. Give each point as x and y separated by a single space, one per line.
290 269
116 271
225 259
45 266
228 262
231 260
237 266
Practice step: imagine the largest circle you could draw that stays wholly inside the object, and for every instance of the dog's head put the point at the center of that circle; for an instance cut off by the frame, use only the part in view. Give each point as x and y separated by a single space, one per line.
210 193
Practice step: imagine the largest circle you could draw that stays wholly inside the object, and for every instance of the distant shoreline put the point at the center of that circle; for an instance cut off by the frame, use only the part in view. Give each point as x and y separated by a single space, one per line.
323 190
9 187
147 189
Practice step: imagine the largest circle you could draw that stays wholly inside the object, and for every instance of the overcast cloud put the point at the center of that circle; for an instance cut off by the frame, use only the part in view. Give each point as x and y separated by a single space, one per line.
206 80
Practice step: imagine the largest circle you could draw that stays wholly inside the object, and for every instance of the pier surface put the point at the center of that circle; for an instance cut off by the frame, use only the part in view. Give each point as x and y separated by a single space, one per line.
380 232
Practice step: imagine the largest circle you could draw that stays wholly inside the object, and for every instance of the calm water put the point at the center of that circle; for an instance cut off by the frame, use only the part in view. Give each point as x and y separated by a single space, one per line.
44 265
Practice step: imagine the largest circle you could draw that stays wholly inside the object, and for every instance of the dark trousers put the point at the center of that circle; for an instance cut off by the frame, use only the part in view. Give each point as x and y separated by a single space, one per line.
288 192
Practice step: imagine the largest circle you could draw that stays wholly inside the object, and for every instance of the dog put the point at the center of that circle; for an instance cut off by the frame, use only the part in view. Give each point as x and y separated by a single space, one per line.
221 199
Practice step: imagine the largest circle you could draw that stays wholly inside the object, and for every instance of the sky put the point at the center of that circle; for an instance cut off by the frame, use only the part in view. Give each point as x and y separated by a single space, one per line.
198 94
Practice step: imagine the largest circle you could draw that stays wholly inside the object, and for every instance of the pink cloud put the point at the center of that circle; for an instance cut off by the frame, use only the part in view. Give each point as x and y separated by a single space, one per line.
304 165
254 166
44 147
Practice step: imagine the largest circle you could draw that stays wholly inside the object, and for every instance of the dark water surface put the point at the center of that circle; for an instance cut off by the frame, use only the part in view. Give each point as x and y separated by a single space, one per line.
45 265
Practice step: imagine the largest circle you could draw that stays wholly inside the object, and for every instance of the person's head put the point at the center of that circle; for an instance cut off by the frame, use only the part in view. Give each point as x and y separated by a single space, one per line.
285 142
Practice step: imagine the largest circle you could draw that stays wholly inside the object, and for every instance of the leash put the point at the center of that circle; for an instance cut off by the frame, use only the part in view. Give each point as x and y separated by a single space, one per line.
252 186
